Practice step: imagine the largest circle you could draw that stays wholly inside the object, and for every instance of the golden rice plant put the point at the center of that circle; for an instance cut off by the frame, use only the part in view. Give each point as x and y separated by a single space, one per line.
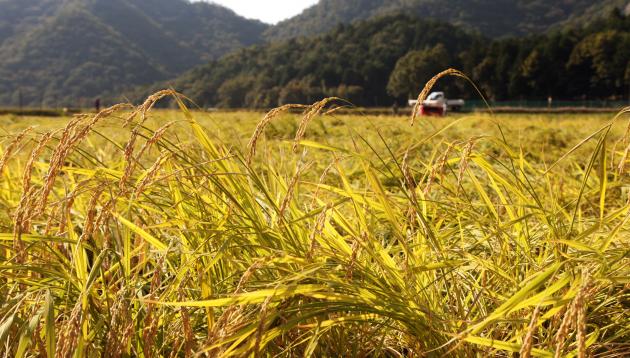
155 243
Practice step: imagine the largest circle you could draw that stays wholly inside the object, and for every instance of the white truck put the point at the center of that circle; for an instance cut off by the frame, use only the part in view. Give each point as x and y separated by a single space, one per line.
437 103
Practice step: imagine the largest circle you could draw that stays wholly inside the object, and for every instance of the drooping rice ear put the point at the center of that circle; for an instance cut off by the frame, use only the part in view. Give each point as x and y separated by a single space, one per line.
311 113
260 128
528 341
11 147
72 135
429 85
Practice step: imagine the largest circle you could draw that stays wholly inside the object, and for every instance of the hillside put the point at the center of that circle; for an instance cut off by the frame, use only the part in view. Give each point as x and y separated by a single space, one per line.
375 62
494 18
68 52
58 51
598 10
353 62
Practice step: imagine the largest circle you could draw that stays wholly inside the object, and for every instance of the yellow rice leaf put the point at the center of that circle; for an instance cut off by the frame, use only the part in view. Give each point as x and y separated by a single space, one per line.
143 234
248 298
505 346
519 296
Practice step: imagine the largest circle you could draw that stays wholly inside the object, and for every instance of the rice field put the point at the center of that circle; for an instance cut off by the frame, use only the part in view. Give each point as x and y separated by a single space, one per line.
306 232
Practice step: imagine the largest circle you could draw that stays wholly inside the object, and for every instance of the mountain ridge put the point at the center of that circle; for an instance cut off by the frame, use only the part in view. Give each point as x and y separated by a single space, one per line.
494 18
69 52
119 44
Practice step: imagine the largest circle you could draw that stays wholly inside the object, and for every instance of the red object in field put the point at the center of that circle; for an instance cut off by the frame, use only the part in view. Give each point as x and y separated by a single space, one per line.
432 111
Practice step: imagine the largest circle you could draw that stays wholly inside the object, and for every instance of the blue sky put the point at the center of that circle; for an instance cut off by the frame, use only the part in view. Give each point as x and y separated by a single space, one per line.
269 11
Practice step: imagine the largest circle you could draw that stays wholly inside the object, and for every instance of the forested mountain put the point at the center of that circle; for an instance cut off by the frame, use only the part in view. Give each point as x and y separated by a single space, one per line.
375 62
57 51
354 62
494 18
69 52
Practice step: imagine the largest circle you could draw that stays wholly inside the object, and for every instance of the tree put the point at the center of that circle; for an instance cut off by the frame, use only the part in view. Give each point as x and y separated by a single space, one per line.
369 62
600 60
233 92
300 91
414 69
354 94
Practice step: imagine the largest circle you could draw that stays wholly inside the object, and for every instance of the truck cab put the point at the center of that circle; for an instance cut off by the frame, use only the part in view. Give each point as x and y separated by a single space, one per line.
436 97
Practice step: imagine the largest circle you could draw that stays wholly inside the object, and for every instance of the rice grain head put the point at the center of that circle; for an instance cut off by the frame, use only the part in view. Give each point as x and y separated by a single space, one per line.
70 138
260 128
429 85
528 341
463 165
438 170
311 113
11 147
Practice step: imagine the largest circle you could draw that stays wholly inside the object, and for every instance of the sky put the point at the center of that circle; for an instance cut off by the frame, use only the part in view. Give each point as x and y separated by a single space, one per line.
269 11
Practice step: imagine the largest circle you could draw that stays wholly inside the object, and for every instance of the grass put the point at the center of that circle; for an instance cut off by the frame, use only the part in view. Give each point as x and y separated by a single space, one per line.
469 236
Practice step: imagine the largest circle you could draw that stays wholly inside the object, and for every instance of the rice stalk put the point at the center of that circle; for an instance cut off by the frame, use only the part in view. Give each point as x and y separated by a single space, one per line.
198 254
11 148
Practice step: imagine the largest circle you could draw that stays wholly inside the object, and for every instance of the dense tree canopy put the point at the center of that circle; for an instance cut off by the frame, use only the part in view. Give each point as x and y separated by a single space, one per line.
354 61
493 18
55 52
415 67
599 61
376 62
69 52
